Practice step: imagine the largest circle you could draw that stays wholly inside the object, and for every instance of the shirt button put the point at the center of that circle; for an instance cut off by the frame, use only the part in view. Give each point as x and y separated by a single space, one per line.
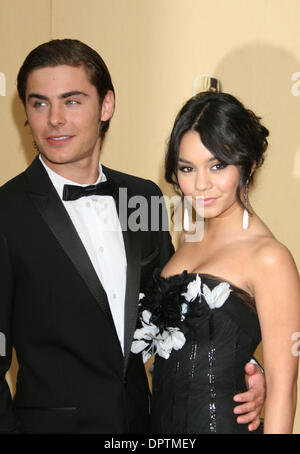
101 249
88 204
114 296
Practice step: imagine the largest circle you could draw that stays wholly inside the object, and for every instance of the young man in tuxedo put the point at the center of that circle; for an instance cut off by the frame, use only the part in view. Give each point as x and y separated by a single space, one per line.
69 284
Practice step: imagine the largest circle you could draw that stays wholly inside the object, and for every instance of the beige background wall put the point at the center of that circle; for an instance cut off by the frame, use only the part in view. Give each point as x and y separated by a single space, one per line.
155 49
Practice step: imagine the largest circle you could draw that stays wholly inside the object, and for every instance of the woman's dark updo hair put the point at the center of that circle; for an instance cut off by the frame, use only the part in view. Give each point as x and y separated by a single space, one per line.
232 133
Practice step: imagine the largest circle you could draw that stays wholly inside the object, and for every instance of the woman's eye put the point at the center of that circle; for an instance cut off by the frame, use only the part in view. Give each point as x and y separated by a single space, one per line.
219 166
185 169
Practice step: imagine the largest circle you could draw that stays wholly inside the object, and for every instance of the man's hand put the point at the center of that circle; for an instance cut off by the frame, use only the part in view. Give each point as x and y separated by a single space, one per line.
253 399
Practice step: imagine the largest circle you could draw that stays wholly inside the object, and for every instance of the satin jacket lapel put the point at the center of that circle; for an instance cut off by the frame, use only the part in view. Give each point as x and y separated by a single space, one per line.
133 251
47 201
133 255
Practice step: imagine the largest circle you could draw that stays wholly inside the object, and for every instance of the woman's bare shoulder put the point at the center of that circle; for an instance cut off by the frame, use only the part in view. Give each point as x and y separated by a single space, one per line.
269 252
273 267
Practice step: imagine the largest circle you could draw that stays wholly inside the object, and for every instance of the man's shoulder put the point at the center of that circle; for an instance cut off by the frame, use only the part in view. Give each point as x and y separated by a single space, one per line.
137 184
12 186
12 201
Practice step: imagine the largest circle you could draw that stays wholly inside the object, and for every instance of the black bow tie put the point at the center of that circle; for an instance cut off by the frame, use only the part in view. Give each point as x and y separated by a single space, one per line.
72 192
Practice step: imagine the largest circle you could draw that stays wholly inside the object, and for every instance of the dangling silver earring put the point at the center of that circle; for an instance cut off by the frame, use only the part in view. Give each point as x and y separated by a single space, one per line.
186 220
246 215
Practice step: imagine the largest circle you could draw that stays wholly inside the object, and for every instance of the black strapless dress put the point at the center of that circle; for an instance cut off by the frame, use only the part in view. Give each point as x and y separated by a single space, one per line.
203 330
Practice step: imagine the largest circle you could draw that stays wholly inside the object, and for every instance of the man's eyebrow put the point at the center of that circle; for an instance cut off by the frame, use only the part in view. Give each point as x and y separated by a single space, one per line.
72 93
36 95
62 96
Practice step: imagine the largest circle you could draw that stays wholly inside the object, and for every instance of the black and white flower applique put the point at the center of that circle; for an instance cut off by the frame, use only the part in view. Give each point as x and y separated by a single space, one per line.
215 298
165 305
150 341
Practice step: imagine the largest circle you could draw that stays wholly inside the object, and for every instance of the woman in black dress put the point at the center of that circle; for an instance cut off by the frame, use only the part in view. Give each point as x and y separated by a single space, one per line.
204 314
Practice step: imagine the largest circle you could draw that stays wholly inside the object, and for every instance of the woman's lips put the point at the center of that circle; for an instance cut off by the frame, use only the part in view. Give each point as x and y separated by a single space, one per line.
207 201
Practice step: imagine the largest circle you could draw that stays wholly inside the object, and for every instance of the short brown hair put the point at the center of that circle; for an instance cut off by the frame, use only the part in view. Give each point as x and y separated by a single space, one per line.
73 53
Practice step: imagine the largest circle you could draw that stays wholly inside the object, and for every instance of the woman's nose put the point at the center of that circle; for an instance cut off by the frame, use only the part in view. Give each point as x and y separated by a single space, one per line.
203 182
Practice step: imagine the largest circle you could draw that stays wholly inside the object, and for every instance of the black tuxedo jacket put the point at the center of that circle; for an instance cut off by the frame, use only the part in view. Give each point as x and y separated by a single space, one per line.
73 377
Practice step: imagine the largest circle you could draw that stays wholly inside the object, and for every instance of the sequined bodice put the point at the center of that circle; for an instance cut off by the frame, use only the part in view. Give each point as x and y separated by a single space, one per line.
206 331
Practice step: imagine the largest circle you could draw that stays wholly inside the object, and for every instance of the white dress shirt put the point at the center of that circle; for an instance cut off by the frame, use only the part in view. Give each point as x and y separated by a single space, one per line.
96 221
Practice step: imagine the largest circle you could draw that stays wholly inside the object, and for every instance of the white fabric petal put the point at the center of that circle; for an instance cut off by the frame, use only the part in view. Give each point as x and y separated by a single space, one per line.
138 345
220 294
146 315
217 297
162 348
207 295
146 333
164 344
178 340
193 289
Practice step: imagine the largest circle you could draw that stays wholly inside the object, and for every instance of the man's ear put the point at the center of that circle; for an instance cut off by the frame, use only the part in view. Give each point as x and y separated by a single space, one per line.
108 106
